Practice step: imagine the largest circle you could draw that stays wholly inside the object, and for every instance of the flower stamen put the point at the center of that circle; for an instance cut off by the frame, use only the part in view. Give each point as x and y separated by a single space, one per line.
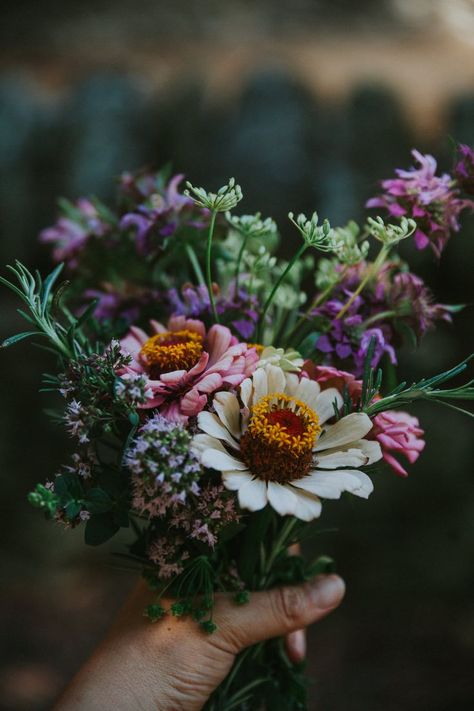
278 444
170 351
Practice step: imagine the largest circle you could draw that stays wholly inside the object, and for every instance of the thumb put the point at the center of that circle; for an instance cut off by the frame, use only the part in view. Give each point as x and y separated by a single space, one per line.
274 613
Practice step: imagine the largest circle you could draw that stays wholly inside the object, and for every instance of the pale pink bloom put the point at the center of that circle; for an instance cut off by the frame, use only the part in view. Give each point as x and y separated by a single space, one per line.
328 377
179 394
398 431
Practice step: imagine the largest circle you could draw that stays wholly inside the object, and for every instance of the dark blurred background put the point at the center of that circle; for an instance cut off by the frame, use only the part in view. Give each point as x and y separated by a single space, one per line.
308 104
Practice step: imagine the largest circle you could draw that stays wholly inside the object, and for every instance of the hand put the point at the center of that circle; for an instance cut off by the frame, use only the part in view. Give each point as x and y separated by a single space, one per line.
172 665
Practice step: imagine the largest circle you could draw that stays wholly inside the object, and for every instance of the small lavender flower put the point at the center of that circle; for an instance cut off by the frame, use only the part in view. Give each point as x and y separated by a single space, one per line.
164 469
133 389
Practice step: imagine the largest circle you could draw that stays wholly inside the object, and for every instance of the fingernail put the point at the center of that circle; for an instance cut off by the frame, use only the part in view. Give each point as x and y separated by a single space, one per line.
327 591
297 645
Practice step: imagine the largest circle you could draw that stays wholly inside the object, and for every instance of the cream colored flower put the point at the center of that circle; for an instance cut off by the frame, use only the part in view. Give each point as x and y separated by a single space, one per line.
288 360
273 444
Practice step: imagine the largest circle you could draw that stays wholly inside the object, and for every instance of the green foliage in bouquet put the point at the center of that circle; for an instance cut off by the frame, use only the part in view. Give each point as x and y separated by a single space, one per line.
217 395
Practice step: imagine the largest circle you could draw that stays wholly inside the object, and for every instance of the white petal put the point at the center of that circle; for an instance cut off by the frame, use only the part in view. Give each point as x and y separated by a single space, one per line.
211 425
260 384
308 506
227 407
246 392
217 459
309 392
292 382
201 442
281 498
331 484
276 381
234 480
253 495
325 404
346 430
339 458
369 447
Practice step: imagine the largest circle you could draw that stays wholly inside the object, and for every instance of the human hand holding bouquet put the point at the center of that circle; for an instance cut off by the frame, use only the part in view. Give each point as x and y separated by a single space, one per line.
216 399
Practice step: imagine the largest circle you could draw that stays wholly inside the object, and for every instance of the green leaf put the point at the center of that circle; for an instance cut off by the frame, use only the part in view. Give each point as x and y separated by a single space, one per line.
48 285
308 344
98 501
257 527
19 337
323 564
99 529
406 332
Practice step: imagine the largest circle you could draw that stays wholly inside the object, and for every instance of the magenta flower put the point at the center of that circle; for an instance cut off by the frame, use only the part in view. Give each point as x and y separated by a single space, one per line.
431 200
184 364
414 302
464 169
70 234
398 431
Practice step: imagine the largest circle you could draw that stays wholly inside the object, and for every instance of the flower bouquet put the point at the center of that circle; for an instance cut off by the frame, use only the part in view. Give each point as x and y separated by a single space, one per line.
216 395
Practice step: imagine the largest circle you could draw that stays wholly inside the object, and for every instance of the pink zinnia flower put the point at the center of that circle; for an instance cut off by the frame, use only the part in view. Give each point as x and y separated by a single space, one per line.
398 431
328 377
184 364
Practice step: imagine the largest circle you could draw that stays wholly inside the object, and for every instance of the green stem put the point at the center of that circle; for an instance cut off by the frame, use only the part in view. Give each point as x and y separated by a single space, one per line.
323 296
371 273
378 317
239 261
280 545
208 266
195 264
276 286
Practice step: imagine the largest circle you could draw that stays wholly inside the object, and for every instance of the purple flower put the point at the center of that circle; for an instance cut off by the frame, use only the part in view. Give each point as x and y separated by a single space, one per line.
464 169
431 200
126 302
239 311
411 299
76 225
157 210
382 346
393 297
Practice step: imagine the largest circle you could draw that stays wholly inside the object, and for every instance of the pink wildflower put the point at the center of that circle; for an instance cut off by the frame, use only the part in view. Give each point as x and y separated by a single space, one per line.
398 431
329 377
431 200
184 365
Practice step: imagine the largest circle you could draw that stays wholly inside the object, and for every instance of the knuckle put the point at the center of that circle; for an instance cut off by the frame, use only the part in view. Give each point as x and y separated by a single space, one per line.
289 604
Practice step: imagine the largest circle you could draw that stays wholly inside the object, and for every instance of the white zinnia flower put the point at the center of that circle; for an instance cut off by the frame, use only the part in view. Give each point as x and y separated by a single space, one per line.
273 444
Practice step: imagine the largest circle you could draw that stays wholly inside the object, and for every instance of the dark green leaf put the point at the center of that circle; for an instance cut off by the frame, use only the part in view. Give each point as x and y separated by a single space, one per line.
99 529
19 337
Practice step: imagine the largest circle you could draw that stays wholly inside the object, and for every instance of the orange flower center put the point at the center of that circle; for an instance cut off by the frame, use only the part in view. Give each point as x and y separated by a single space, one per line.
278 444
172 350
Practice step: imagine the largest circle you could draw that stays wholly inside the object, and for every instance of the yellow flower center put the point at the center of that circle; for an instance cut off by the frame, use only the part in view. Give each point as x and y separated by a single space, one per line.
278 444
172 350
258 347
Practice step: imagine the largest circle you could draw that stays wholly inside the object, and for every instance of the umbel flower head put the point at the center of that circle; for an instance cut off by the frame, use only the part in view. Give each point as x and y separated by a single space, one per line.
224 200
274 445
184 364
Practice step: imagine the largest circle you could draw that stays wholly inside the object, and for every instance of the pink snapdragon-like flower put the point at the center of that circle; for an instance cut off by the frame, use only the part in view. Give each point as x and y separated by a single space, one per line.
184 364
464 169
431 200
328 377
73 229
398 431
